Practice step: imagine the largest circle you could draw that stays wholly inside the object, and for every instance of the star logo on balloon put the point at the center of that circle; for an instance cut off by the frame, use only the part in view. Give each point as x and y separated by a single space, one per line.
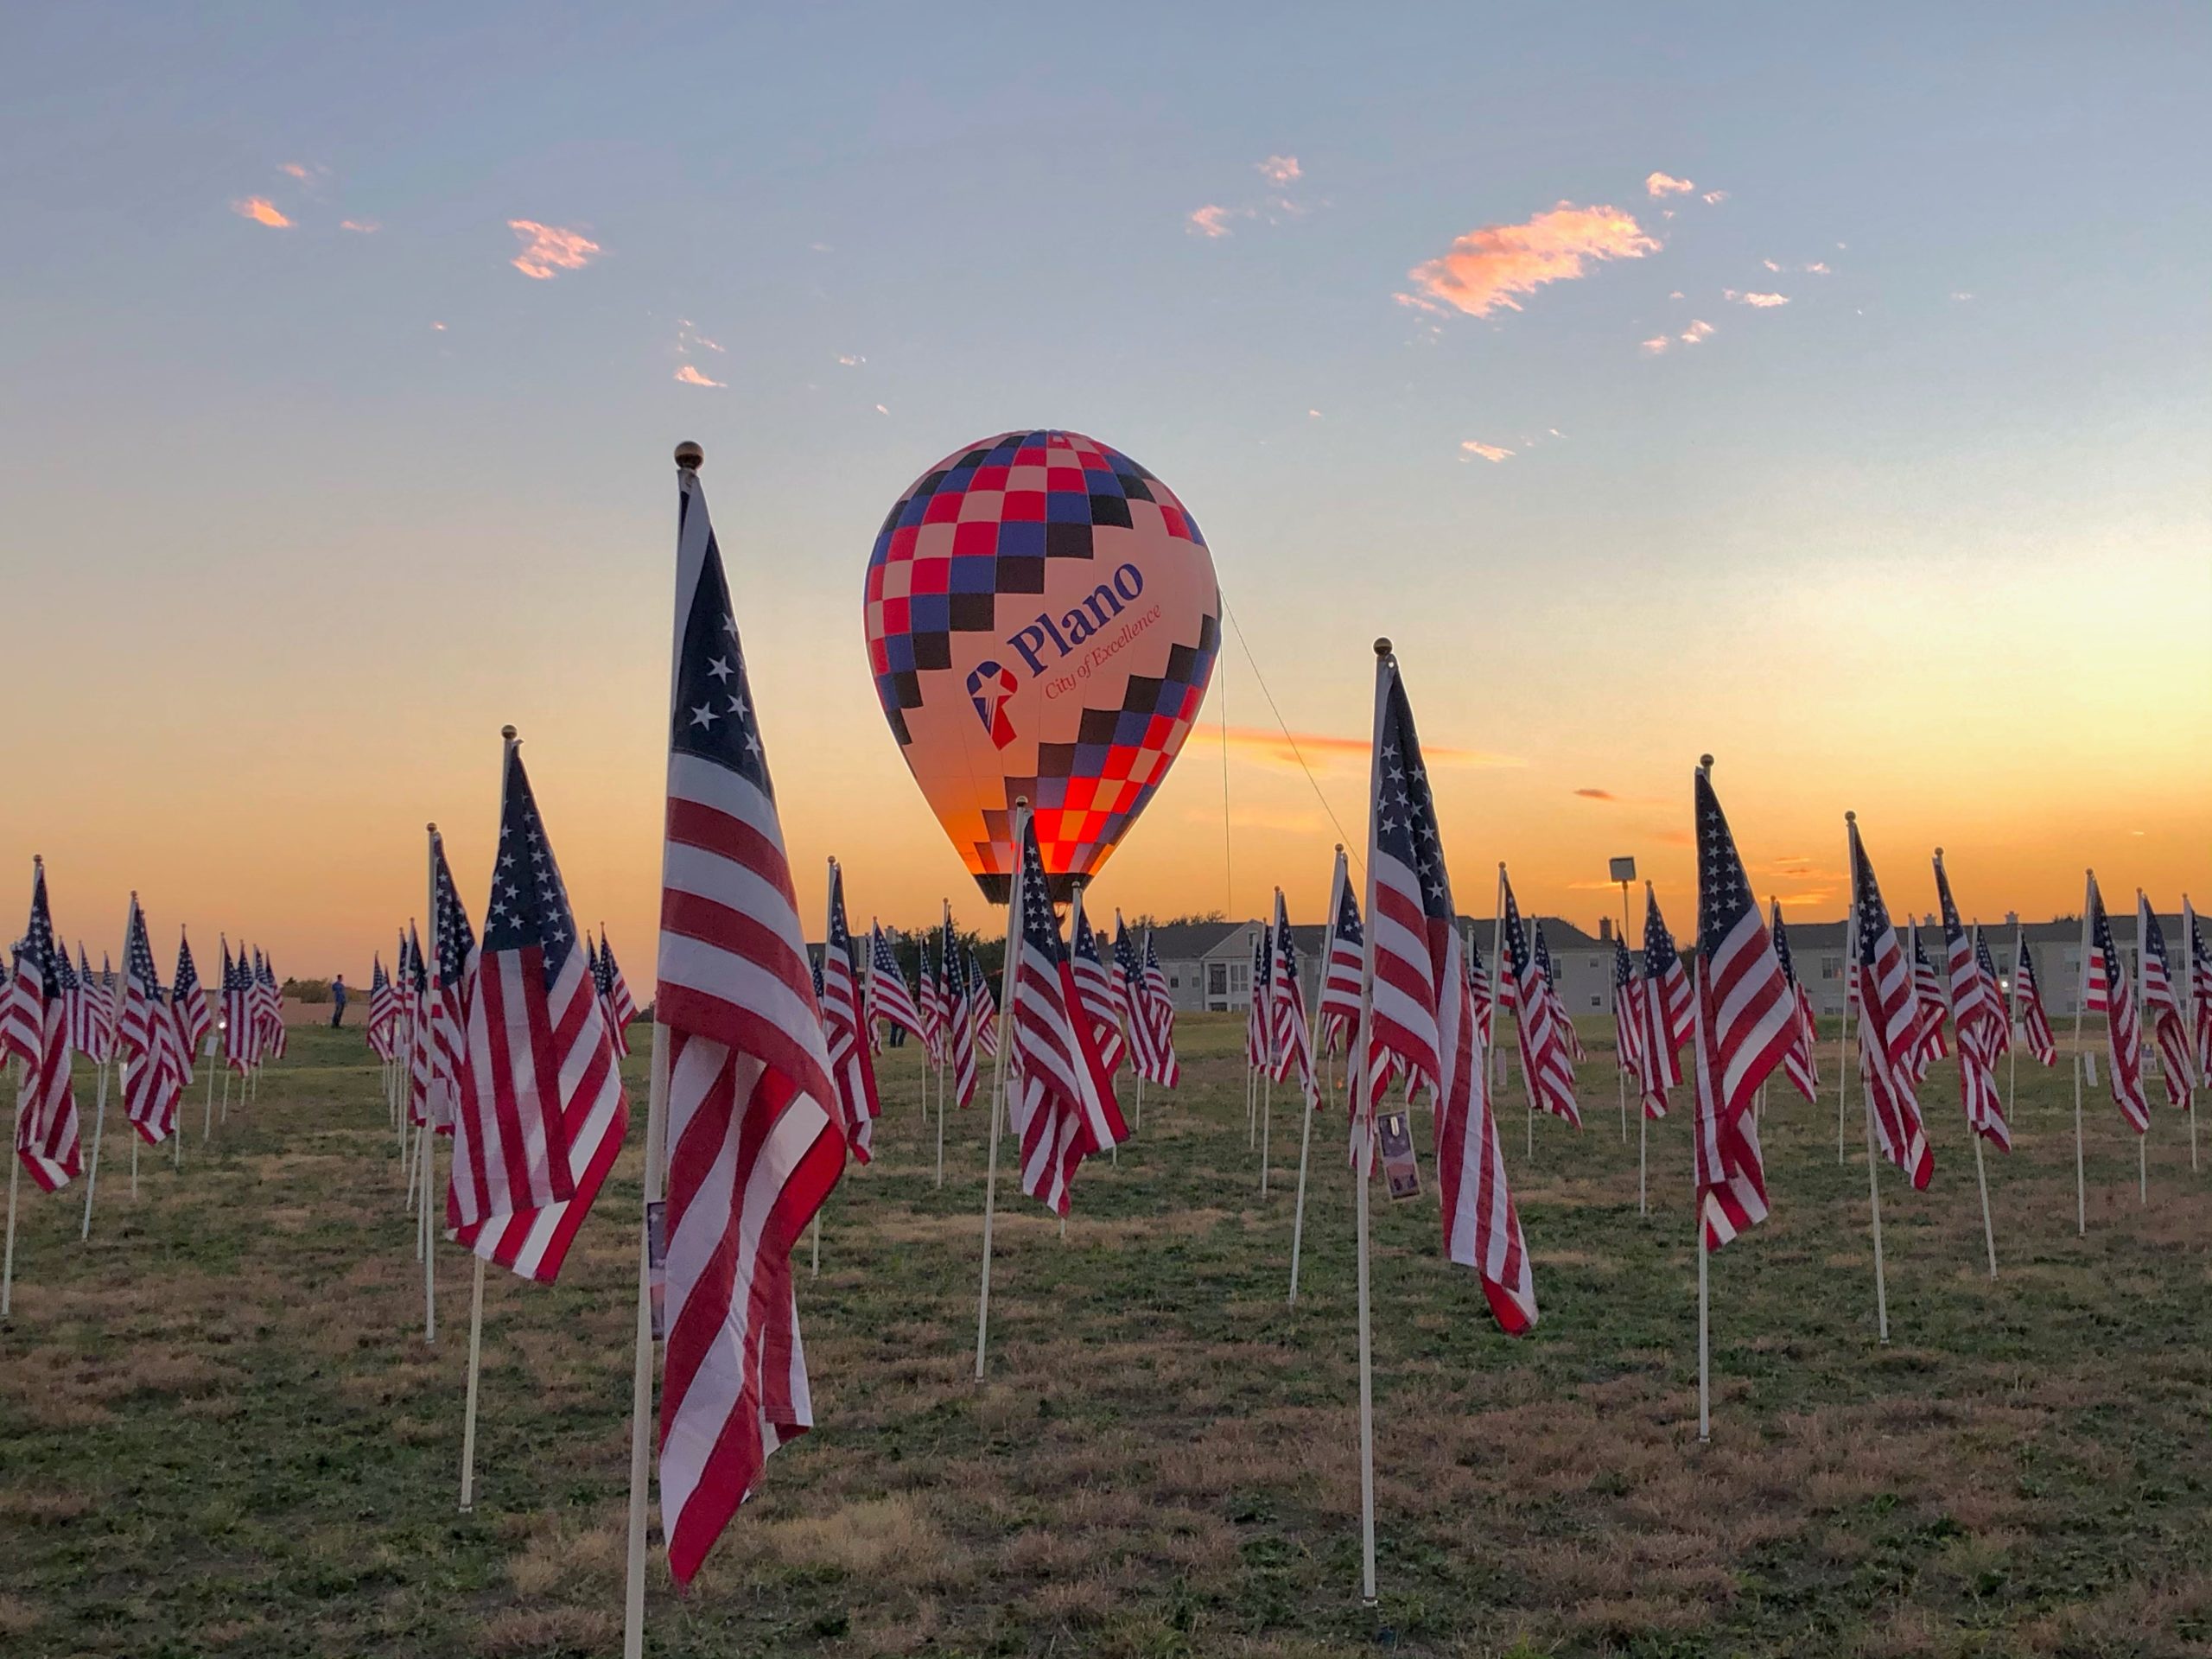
1042 621
991 687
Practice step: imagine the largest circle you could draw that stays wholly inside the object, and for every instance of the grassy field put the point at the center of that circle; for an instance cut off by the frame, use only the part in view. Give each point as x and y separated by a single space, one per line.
221 1431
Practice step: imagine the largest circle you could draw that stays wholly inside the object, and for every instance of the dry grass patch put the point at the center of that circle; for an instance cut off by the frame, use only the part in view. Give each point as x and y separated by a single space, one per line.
549 1633
885 1541
568 1557
17 1616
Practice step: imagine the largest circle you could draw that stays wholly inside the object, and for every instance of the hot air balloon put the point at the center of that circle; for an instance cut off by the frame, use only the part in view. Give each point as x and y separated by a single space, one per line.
1042 620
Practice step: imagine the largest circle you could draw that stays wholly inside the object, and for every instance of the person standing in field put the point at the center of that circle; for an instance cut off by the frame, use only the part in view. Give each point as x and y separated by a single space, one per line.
337 998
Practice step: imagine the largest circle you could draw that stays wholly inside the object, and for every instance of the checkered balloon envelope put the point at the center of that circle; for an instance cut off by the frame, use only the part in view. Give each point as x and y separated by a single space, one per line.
1042 620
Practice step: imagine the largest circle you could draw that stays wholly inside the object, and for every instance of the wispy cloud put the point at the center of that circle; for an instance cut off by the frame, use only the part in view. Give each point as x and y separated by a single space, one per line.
1818 267
1656 345
298 170
1321 749
1962 294
1597 795
850 360
1714 198
1212 220
1488 266
549 249
1761 301
364 226
1663 184
1696 334
1487 451
261 211
1280 169
691 377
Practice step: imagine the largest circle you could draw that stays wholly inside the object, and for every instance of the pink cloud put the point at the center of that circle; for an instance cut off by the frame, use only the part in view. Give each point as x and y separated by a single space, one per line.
1487 451
261 211
1488 266
691 377
1714 198
549 249
1759 302
1212 220
1662 184
365 227
1597 795
1696 333
1819 268
1656 344
1280 169
295 170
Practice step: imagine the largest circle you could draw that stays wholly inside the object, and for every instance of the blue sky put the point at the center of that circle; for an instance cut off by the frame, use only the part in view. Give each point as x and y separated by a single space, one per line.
1960 476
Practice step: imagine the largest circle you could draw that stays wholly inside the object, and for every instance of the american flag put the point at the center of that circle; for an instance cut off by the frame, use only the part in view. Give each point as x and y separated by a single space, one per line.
1562 1021
271 995
1544 1055
1063 1108
1746 1025
2200 984
2123 1026
1256 1009
1976 1018
2034 1024
1626 1018
1928 1005
1147 1059
961 1030
416 980
19 1010
1483 984
91 1010
47 1140
929 1003
1161 1008
1422 1010
1094 984
754 1142
453 962
852 1066
601 969
239 1048
152 1062
1799 1065
1658 1048
529 1037
1338 1012
981 1003
383 1003
2003 1025
888 993
2162 1004
188 1003
1889 1029
614 992
1290 1042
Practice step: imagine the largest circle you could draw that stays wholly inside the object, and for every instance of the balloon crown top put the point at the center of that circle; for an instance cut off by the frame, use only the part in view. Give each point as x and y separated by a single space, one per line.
689 456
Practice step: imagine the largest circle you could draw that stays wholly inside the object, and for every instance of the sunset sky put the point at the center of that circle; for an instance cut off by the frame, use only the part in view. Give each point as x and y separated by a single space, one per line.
1831 395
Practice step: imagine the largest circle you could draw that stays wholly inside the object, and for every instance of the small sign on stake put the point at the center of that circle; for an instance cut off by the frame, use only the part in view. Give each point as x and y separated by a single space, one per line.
1399 1167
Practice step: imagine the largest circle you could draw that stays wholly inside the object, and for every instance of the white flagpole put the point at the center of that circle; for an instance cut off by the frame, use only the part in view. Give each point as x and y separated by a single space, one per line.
1697 1197
1363 1109
641 1370
1865 1096
1267 1048
998 1079
1622 1068
2189 1012
99 1110
429 1136
2080 1002
1843 1028
944 1044
2012 1022
476 1285
1251 1072
15 1175
1337 877
213 1056
2148 1047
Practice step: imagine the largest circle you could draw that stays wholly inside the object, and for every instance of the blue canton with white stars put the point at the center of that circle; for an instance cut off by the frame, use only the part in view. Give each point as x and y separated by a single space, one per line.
1405 828
714 716
1040 929
530 905
1723 893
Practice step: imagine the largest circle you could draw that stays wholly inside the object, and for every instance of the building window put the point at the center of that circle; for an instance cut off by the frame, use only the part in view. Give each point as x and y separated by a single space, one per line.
1174 982
1597 1002
1831 967
1217 979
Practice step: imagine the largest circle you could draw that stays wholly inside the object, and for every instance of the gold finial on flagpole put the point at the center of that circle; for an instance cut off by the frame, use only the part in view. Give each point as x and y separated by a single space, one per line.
689 456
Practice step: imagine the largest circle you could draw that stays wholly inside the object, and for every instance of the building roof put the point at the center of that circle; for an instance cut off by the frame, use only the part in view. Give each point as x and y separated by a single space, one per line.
1186 941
